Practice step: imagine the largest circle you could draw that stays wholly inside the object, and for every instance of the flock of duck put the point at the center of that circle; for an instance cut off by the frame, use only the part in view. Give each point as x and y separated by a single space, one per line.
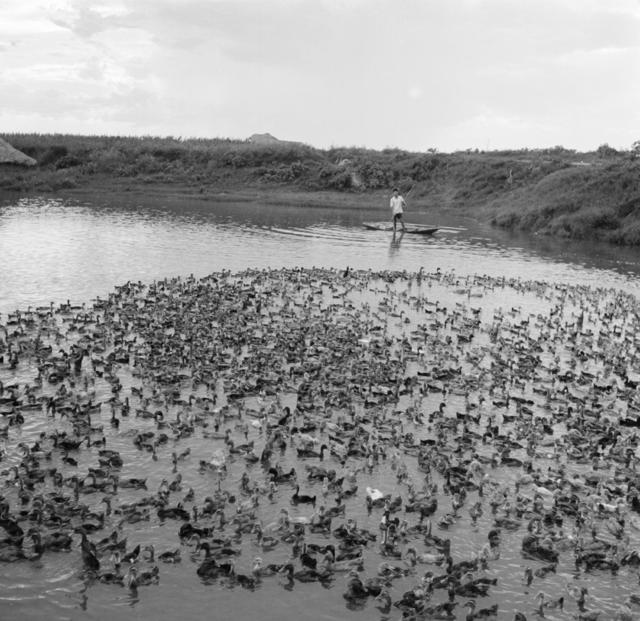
408 441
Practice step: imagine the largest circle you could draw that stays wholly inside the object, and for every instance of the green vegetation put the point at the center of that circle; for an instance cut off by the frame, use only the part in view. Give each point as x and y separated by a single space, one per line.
549 191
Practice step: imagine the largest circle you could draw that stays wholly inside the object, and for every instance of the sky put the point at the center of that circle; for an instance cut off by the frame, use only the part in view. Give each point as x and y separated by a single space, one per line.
411 74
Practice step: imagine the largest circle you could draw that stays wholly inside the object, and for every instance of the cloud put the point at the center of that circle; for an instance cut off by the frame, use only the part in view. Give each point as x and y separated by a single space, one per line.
6 45
415 92
84 19
375 72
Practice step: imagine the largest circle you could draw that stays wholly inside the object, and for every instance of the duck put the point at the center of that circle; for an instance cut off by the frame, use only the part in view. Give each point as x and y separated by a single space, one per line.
245 581
383 602
134 579
475 511
442 544
10 552
329 564
306 574
217 463
132 555
375 496
543 603
356 589
90 559
483 613
439 611
266 542
412 557
425 507
474 588
298 498
542 572
271 569
111 577
391 572
130 483
306 452
170 556
177 513
211 568
278 476
578 592
54 541
533 547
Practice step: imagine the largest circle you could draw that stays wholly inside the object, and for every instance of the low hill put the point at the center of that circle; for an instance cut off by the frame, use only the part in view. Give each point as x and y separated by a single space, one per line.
548 191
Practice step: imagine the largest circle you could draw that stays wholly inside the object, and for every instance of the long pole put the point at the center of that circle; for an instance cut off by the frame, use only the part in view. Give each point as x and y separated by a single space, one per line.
411 190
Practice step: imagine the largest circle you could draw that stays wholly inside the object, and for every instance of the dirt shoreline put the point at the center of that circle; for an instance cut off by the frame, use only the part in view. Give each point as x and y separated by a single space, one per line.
267 196
251 194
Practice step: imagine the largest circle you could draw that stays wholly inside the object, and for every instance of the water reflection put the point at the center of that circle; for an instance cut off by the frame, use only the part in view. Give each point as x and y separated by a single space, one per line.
396 240
77 249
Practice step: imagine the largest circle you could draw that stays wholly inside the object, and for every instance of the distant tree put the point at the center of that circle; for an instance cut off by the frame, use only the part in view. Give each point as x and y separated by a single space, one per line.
558 150
604 151
635 149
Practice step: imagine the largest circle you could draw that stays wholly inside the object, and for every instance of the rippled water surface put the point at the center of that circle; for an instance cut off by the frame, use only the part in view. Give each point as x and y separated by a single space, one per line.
54 250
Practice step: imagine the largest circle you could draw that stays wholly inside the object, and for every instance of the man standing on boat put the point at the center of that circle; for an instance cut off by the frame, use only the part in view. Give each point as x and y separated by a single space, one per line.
397 205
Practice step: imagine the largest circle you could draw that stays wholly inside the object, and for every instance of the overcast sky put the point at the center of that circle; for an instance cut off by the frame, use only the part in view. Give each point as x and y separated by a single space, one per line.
414 74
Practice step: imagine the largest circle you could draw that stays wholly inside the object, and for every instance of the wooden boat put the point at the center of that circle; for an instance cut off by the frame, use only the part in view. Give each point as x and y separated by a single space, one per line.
415 229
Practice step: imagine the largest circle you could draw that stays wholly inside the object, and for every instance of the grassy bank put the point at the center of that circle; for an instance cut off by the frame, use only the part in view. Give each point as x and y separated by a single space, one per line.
551 191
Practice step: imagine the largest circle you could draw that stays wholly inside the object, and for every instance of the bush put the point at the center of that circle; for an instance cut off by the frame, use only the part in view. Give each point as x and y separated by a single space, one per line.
281 173
53 154
147 164
68 161
373 175
108 161
629 235
169 154
63 183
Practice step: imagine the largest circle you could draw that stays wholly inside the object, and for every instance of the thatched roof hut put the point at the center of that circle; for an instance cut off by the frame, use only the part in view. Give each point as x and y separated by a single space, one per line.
9 155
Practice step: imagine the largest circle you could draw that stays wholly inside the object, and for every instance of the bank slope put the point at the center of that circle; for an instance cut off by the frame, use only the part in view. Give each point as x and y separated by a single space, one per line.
600 201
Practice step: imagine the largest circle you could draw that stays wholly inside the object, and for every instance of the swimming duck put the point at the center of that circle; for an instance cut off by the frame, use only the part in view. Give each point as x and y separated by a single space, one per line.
534 547
470 587
541 572
543 603
298 498
306 574
578 593
356 590
111 577
54 541
383 602
89 556
170 556
306 452
329 564
266 542
483 613
134 579
412 557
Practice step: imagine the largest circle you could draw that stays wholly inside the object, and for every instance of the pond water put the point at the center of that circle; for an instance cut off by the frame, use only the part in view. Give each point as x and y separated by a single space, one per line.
58 250
54 249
